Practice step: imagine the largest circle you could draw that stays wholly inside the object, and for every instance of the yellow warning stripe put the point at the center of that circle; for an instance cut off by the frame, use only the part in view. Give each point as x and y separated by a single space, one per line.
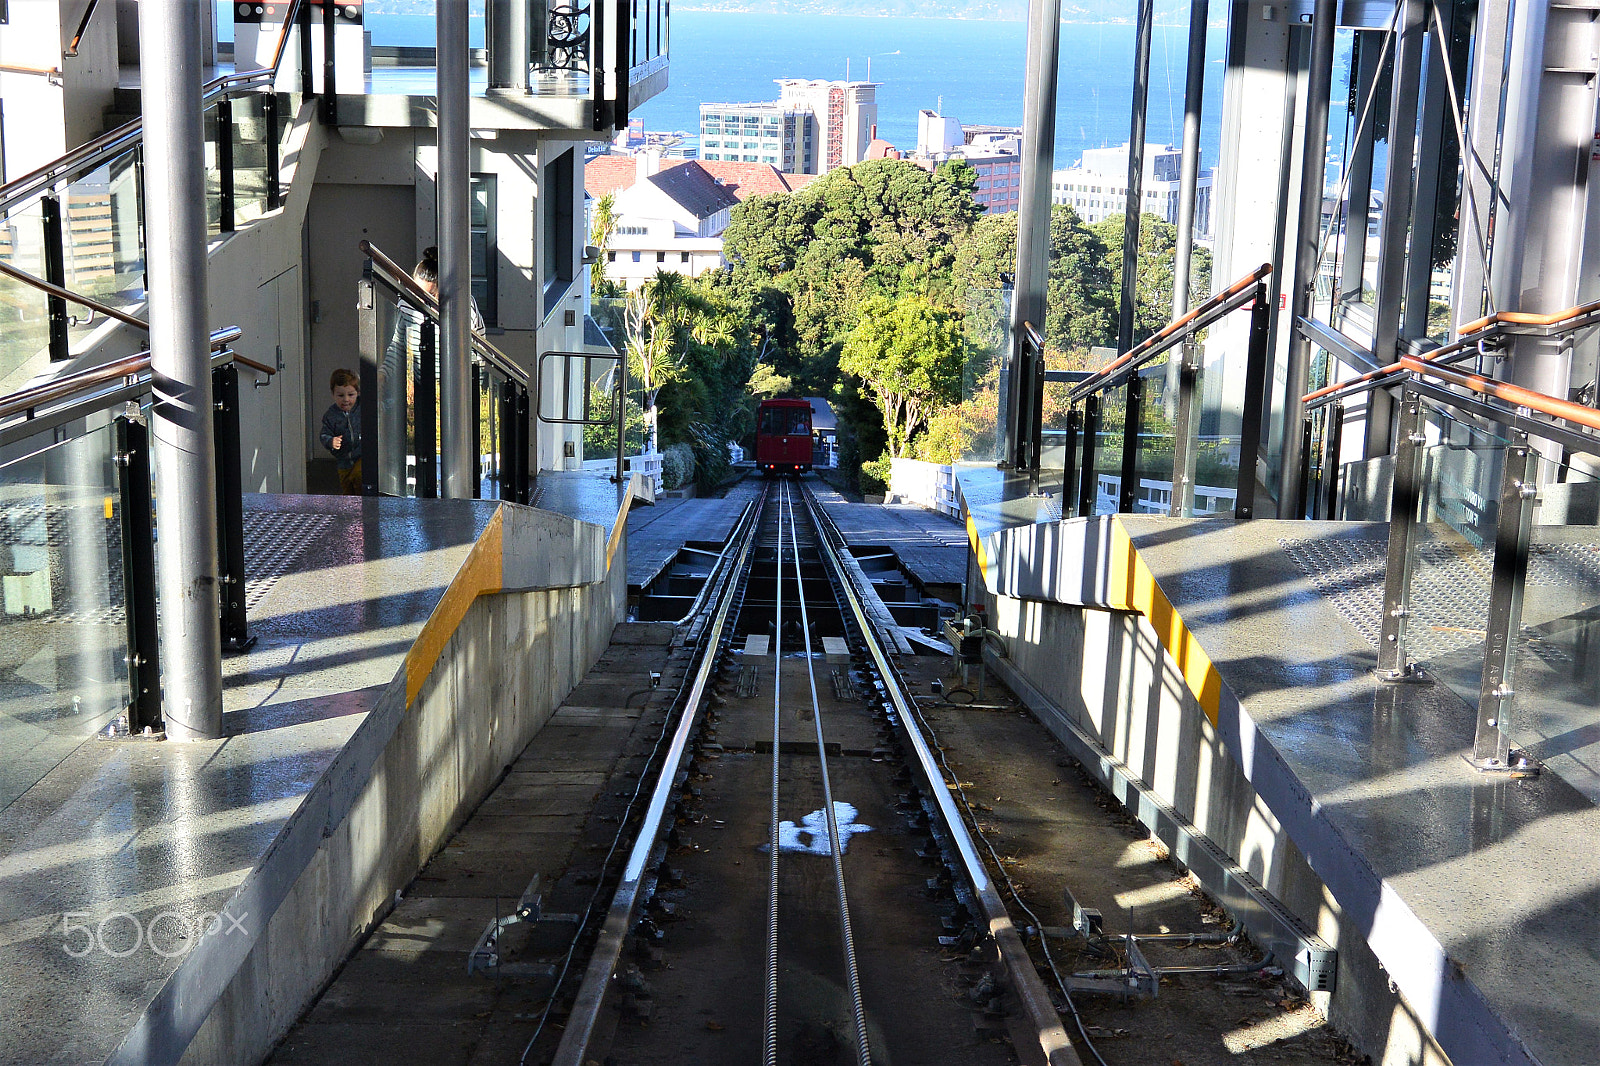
1132 587
480 574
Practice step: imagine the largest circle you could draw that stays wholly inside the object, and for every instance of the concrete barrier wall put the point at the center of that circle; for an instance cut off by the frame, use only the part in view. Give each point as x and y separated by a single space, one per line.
407 779
924 484
1106 673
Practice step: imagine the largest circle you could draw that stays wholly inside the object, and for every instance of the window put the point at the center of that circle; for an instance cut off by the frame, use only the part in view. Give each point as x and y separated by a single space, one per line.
661 257
611 257
485 260
683 257
560 256
635 257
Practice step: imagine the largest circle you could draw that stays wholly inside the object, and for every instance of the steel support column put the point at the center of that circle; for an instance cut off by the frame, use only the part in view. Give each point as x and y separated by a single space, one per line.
452 195
180 348
1397 200
1189 176
1308 236
508 45
1033 233
1482 164
1134 203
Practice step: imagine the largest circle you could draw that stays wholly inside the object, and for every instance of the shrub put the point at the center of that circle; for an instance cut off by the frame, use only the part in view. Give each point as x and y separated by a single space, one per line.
677 466
875 476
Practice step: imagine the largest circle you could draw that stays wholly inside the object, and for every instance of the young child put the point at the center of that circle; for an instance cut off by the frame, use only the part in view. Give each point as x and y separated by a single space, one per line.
341 430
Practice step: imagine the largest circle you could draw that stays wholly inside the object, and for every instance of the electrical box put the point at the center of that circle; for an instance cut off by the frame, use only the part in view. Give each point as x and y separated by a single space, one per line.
1316 968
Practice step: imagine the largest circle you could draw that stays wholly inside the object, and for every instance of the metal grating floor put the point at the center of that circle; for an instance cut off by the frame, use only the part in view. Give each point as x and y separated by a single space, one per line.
1449 589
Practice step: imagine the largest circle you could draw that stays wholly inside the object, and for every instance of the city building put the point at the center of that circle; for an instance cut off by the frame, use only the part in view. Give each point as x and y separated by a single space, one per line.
667 220
992 151
1097 187
811 128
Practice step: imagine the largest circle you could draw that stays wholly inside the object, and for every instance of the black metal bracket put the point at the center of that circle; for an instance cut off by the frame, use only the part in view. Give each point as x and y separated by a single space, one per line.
236 635
55 272
139 578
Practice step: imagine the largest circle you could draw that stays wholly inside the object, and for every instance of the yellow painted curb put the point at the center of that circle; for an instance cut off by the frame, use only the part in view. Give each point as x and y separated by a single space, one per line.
481 573
1132 587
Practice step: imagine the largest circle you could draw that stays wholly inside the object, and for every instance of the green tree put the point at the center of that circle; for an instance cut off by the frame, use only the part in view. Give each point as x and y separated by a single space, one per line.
909 354
1158 254
676 336
604 224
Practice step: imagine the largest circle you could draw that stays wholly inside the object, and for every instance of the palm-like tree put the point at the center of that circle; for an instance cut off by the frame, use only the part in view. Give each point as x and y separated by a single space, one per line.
662 318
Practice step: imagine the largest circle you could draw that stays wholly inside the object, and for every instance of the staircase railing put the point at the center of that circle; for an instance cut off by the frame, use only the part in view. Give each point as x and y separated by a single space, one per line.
77 535
398 325
76 225
1099 418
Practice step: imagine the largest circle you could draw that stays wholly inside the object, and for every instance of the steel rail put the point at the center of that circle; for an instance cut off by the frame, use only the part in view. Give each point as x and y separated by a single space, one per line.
699 601
394 276
1054 1044
574 1046
1516 395
1174 331
113 372
769 1010
67 294
835 848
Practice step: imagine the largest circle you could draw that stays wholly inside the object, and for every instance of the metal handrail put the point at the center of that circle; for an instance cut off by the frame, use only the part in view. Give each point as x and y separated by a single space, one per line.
1526 318
1225 302
393 276
67 294
113 142
64 388
1544 404
53 73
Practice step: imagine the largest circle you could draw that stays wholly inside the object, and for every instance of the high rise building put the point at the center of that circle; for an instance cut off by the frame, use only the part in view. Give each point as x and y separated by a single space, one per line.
993 151
769 132
811 128
1098 186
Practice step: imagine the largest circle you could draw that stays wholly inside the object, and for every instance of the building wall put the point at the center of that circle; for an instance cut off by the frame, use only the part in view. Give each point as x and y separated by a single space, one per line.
40 120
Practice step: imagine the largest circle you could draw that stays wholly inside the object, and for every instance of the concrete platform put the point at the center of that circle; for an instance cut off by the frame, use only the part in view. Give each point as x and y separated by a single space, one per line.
932 547
137 878
1476 896
656 534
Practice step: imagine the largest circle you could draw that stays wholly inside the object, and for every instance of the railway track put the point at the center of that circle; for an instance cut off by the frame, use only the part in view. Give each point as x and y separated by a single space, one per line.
801 887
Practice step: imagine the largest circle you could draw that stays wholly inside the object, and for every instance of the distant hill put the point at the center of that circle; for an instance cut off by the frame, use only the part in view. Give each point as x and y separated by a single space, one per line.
1167 11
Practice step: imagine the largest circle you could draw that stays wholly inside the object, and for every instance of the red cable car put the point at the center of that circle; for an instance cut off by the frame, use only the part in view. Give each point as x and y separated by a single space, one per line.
783 436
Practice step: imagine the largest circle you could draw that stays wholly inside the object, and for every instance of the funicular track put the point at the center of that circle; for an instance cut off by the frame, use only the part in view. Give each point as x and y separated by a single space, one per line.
801 888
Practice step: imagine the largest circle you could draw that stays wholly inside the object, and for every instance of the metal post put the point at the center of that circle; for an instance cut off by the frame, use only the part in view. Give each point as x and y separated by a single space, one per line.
1303 468
480 385
1185 432
1127 497
269 108
508 45
328 104
1333 442
230 509
180 362
1308 236
1397 198
225 211
1189 176
427 414
524 425
1021 417
1484 125
55 272
307 76
1393 665
451 193
1070 460
374 449
1255 393
1134 203
622 410
1088 489
1491 749
138 577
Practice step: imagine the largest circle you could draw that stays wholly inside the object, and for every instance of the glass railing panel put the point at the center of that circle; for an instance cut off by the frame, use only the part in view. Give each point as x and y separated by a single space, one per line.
63 639
1153 462
103 249
249 157
1108 451
1452 557
211 128
987 327
1558 644
24 311
399 329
